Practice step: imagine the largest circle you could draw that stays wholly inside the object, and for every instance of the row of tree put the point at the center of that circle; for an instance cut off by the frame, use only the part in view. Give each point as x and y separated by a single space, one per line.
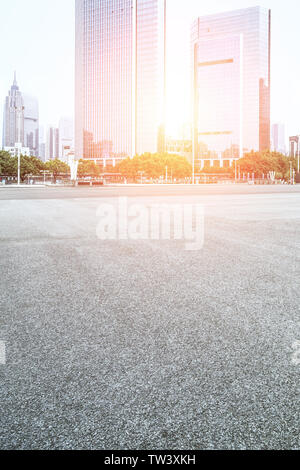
151 166
30 166
265 162
155 166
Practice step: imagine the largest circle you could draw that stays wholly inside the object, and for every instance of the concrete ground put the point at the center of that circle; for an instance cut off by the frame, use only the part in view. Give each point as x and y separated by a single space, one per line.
141 344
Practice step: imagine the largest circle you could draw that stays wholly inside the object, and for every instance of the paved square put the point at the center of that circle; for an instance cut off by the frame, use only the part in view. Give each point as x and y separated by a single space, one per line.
141 344
2 353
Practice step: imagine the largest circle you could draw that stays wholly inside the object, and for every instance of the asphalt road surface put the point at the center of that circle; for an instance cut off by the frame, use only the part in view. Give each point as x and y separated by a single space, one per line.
48 192
141 344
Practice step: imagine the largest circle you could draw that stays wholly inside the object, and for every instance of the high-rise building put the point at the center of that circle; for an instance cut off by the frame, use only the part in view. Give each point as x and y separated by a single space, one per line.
42 151
120 78
42 145
13 118
278 138
18 149
231 78
294 146
31 124
66 137
52 144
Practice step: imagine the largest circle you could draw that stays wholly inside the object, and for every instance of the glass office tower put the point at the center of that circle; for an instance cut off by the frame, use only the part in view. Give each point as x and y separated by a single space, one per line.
31 124
231 77
120 77
278 138
13 118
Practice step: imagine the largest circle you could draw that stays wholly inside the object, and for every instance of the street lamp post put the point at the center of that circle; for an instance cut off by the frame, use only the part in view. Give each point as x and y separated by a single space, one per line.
19 110
195 135
292 173
19 166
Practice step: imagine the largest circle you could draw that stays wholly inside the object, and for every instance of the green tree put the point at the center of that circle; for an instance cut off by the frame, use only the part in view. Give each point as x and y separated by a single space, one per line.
57 167
28 165
263 162
88 168
154 166
8 164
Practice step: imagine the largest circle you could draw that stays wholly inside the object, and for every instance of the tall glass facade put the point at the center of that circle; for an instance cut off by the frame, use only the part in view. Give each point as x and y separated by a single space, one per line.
150 61
231 77
13 118
120 68
31 124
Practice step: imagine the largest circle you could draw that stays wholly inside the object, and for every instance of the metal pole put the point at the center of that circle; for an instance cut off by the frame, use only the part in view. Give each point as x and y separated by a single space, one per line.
19 166
195 111
19 149
18 112
193 178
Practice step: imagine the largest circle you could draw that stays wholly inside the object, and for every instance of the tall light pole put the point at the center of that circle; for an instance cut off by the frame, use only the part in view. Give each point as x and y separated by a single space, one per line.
19 110
19 165
195 111
290 172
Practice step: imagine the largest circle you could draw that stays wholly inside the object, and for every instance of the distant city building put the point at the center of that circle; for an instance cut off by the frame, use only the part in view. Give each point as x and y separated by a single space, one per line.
66 137
295 146
231 77
42 152
278 138
13 118
14 151
120 78
69 156
181 147
186 131
42 145
31 124
42 134
52 144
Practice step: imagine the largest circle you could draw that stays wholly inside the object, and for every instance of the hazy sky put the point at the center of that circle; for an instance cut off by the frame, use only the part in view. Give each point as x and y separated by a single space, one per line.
37 40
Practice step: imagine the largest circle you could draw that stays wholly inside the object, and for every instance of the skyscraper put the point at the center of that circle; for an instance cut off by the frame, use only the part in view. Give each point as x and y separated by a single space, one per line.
42 145
120 78
52 143
13 119
278 138
31 124
231 77
66 136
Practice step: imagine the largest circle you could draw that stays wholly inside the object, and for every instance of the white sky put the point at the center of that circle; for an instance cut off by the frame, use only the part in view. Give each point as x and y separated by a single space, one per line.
37 40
